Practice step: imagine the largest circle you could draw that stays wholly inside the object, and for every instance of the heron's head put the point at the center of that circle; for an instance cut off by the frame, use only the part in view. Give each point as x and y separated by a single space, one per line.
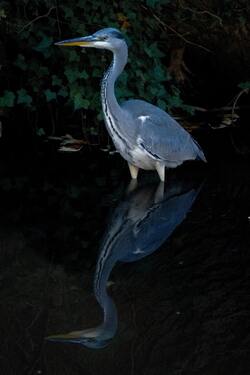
94 338
109 38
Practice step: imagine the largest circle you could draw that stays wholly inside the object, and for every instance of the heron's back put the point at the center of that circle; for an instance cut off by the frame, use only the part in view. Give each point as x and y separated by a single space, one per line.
160 135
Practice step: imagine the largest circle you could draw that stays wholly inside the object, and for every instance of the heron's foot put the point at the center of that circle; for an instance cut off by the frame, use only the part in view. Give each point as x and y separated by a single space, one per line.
160 170
133 171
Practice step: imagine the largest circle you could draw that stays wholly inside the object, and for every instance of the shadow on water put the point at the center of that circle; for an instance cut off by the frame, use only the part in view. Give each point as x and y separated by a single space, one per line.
139 225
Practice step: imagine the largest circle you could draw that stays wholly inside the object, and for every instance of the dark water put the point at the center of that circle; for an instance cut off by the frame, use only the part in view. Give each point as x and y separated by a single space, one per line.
156 280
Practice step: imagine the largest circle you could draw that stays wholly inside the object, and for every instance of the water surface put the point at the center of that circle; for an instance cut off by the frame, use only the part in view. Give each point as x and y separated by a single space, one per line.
156 280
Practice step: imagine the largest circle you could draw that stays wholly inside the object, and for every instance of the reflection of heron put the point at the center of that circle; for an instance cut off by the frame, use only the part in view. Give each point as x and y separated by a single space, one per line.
138 226
146 136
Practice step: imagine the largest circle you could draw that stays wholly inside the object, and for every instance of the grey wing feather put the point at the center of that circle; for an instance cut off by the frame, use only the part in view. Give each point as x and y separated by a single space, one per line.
163 221
160 135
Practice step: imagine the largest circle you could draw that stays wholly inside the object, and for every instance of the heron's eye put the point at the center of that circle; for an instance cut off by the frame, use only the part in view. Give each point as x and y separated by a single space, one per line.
104 37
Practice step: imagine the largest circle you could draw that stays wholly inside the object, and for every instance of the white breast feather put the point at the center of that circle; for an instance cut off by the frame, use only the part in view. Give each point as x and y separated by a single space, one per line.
117 141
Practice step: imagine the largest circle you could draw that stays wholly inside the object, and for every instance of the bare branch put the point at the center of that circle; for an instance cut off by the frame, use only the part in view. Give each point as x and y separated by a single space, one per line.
57 19
244 91
165 26
219 19
36 19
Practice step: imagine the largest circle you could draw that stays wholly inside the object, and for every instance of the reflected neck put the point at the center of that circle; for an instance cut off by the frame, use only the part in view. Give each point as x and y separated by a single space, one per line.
103 270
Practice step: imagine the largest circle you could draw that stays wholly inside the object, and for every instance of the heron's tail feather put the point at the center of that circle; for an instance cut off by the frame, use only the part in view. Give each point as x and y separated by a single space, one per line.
198 151
201 156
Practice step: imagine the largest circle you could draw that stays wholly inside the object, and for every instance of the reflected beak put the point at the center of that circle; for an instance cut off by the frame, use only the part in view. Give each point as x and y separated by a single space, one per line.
86 41
89 338
74 336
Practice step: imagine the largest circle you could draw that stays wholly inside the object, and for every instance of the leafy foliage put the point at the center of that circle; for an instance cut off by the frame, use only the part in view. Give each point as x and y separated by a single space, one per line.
7 99
245 85
40 76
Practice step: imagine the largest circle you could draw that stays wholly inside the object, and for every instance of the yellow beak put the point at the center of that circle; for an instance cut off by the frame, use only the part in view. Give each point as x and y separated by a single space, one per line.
80 42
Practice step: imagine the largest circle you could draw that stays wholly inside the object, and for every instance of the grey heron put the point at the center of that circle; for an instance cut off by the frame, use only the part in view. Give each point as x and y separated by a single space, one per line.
139 225
145 136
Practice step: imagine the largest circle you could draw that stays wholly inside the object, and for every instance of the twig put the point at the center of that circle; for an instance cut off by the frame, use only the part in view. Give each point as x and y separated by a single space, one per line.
165 26
181 36
58 21
198 109
36 19
222 109
238 150
244 91
219 19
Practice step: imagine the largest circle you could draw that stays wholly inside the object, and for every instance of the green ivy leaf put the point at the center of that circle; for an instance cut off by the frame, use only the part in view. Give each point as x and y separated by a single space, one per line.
154 3
100 116
123 92
93 131
96 72
43 71
174 101
34 66
162 104
68 12
72 74
188 108
20 62
153 51
244 85
8 99
151 3
50 95
2 13
74 56
74 192
40 132
83 74
80 102
23 97
44 45
81 4
159 73
56 81
63 92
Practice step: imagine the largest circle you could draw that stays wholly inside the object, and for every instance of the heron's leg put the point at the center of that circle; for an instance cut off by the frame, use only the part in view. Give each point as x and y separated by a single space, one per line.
133 170
160 167
159 194
131 186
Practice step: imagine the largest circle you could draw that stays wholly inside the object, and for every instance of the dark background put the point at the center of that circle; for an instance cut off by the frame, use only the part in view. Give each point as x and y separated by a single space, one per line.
188 57
183 310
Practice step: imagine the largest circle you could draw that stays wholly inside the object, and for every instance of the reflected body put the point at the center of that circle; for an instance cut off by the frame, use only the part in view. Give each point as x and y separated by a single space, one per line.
138 227
146 136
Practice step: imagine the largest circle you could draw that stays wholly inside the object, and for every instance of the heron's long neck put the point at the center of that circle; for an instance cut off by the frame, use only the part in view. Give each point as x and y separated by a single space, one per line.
109 101
104 267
